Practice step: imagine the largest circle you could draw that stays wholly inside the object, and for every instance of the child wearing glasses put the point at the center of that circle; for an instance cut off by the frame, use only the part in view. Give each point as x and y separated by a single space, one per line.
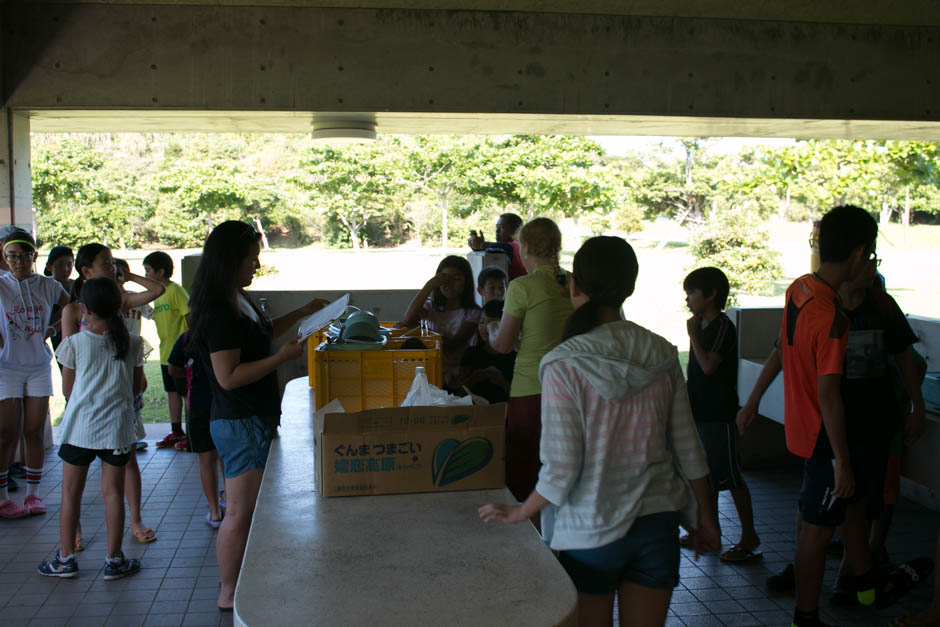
26 301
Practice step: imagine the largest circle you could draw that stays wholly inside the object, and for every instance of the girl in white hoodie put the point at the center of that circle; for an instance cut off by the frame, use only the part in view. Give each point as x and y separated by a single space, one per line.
621 458
26 301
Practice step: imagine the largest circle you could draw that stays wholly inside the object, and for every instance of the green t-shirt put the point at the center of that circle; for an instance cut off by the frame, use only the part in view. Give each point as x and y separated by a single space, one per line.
543 306
169 314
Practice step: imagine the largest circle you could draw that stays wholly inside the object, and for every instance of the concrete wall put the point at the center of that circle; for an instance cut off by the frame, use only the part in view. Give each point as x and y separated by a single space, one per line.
302 58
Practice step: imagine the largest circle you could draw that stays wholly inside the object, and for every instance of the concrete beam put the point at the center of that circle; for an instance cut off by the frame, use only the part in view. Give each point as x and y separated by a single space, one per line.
290 59
899 12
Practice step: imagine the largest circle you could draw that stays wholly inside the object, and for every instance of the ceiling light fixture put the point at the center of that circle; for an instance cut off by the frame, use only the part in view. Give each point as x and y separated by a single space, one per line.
344 130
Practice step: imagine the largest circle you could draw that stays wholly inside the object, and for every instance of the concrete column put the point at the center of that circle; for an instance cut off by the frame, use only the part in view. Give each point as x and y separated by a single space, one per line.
16 185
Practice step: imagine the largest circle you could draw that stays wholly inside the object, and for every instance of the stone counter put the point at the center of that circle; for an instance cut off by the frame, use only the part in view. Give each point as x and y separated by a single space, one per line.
413 559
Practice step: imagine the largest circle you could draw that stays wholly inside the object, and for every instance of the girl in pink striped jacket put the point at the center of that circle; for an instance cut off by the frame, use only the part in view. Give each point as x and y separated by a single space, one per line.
621 459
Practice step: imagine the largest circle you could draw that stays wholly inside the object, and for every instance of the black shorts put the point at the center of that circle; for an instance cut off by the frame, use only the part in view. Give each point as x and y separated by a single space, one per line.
171 383
817 507
720 440
197 430
78 456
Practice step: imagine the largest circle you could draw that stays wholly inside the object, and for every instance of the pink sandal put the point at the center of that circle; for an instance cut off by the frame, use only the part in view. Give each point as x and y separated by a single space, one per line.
12 511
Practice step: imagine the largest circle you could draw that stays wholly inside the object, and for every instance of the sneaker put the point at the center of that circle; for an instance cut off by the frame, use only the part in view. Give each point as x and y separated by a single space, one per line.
12 511
17 470
170 439
843 594
215 524
142 445
12 485
182 445
120 568
58 568
35 505
784 581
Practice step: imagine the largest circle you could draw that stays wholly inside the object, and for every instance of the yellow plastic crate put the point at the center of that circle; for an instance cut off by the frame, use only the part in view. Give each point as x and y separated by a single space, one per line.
320 336
372 379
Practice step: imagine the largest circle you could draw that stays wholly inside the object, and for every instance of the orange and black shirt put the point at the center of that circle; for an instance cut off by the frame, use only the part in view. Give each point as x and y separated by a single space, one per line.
813 334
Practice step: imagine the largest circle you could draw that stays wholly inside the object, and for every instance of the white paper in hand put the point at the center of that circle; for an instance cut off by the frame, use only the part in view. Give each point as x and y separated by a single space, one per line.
319 319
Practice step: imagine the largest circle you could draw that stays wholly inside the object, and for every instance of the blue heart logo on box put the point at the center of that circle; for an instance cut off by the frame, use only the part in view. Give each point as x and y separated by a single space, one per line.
453 460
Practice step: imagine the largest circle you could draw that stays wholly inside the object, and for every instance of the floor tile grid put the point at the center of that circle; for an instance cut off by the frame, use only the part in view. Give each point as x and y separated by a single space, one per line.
178 581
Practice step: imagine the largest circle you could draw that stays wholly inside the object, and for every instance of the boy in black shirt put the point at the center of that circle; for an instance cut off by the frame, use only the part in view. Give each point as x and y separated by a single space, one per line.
484 371
713 395
185 365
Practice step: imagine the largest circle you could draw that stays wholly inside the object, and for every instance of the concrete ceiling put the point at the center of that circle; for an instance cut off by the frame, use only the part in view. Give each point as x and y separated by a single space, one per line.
90 121
897 12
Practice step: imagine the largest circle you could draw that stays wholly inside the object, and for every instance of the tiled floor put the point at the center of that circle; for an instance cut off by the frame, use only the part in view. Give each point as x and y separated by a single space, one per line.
178 582
713 593
179 579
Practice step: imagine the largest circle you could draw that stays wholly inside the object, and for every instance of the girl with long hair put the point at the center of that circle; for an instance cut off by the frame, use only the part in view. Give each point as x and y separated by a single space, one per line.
99 367
95 261
233 337
619 449
447 302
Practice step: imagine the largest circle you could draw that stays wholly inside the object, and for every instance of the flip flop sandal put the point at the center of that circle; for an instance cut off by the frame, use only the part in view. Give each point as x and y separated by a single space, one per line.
144 536
737 554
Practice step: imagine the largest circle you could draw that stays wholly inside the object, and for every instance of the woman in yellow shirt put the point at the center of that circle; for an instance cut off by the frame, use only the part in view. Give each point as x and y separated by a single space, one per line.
534 315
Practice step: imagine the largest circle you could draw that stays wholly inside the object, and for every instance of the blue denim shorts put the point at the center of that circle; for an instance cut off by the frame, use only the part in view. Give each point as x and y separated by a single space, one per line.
243 443
648 556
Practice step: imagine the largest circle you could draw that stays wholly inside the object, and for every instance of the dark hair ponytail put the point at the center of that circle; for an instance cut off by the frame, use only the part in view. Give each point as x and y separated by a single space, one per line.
102 297
582 320
605 270
85 258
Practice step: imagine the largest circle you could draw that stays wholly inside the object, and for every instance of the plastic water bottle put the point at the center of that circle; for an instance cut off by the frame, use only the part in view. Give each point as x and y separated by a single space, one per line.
423 396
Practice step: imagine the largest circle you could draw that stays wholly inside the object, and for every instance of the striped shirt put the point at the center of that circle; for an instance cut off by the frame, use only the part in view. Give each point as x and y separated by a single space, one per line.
616 431
100 411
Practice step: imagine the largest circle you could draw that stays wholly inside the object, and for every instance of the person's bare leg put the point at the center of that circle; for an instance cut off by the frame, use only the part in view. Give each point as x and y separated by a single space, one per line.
810 564
112 492
595 610
856 559
133 492
641 606
742 503
241 492
208 461
73 486
10 413
717 517
879 532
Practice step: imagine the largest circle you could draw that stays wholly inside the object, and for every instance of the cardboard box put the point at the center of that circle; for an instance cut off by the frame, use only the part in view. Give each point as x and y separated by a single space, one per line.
410 449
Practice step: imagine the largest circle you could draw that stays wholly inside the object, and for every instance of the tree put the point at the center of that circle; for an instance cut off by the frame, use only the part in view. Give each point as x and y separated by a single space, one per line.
677 184
735 242
352 185
81 197
547 175
442 167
